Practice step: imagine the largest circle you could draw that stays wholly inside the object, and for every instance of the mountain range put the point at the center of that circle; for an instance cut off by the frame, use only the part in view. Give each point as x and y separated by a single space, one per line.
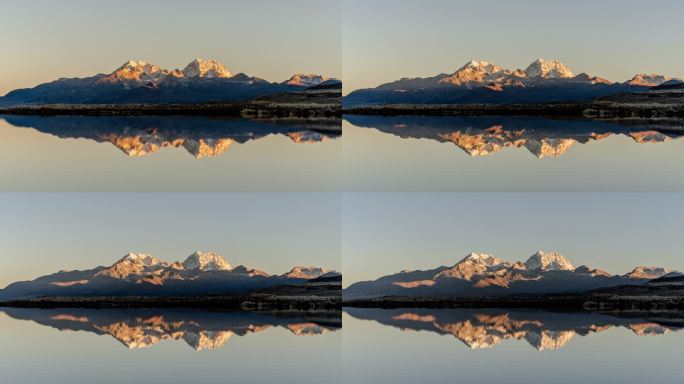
200 136
488 328
144 275
141 82
485 82
486 135
479 275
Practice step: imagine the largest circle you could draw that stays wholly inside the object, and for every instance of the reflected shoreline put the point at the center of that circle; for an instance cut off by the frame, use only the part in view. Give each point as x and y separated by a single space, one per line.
541 136
543 330
200 329
201 136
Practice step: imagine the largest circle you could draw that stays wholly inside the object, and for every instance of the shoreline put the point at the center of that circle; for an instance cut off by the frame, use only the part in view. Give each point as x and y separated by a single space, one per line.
596 110
238 110
555 302
237 302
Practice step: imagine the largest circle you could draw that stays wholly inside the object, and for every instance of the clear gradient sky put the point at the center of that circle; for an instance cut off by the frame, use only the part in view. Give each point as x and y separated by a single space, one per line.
386 233
43 233
386 40
42 40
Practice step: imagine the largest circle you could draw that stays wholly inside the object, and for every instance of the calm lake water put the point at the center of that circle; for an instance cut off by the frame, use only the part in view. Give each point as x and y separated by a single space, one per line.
507 346
153 153
387 154
424 153
167 346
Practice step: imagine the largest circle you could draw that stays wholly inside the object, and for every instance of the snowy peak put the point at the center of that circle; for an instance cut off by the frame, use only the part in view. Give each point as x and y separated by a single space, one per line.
644 272
473 265
551 261
306 80
648 80
144 275
133 264
301 272
140 259
548 69
134 66
476 72
134 70
480 275
209 261
480 66
206 68
481 258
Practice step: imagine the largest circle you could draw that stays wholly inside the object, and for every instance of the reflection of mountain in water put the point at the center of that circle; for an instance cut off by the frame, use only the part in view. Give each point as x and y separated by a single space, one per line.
201 136
486 328
141 328
480 136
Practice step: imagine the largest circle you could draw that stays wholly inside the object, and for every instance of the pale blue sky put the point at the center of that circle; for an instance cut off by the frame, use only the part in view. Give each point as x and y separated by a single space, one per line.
43 233
386 233
385 40
42 40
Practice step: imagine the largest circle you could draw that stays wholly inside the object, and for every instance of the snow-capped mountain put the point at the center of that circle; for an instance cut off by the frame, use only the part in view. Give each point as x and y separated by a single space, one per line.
548 69
486 275
648 80
206 262
306 80
485 82
302 272
206 69
143 82
643 272
133 70
138 274
477 73
552 261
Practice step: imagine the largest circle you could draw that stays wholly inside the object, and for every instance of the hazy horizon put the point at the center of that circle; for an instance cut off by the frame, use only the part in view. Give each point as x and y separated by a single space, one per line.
46 233
387 233
386 40
45 40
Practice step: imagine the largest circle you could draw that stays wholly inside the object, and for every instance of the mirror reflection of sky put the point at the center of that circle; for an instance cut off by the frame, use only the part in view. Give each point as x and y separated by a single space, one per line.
377 353
275 161
33 353
380 161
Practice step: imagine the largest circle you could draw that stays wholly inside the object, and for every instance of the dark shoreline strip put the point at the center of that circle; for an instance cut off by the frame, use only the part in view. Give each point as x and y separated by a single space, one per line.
586 110
246 110
218 302
559 302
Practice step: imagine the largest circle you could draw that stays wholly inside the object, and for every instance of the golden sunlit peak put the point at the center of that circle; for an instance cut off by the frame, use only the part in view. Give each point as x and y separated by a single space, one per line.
206 68
479 64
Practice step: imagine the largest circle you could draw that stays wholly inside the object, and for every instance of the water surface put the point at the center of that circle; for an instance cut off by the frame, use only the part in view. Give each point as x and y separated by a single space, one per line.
511 346
174 153
167 346
426 153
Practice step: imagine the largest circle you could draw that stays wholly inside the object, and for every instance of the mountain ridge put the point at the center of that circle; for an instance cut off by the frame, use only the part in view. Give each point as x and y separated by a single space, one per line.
485 275
143 82
138 274
483 82
488 135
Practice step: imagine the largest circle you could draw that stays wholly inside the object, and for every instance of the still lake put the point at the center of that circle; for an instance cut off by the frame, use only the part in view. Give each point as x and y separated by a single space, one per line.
167 346
509 154
507 346
384 154
174 153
